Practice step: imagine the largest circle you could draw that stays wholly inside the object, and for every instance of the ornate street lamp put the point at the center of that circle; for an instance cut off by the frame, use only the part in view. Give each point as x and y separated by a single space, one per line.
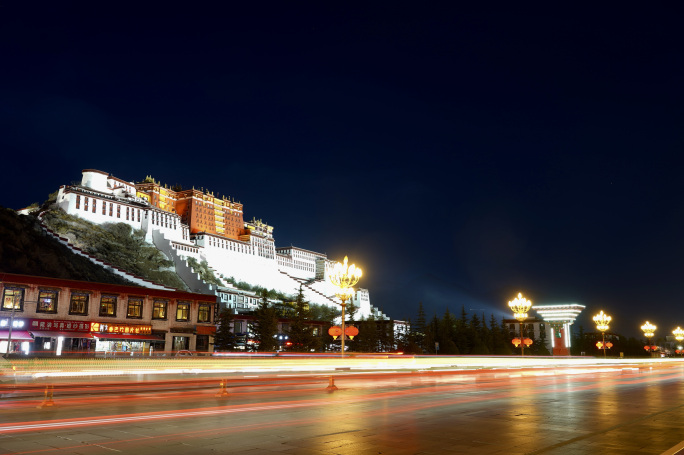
649 331
602 320
678 333
520 306
345 278
679 336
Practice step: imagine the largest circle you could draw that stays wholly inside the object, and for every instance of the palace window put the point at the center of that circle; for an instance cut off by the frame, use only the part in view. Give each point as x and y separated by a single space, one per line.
13 298
159 309
182 311
118 211
78 303
94 205
47 301
85 204
135 306
78 201
108 305
104 207
204 313
111 209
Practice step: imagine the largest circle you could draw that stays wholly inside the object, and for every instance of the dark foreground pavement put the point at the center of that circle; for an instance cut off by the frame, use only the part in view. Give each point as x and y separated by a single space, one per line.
621 411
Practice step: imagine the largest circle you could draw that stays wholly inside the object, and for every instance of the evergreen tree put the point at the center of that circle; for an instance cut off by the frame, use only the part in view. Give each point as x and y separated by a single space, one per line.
418 329
350 312
300 333
539 346
386 341
265 326
500 344
447 333
406 340
432 335
224 339
367 339
475 332
461 338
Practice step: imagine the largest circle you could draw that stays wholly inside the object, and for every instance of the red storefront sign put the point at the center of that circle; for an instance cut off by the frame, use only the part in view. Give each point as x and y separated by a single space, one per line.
123 329
59 325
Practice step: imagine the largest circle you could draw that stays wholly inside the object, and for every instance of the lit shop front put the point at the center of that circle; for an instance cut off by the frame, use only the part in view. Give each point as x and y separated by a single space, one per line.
55 336
61 337
16 338
120 338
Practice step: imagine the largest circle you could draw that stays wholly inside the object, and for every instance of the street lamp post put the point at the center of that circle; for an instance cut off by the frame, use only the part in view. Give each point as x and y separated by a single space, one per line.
602 320
345 278
678 334
520 306
649 331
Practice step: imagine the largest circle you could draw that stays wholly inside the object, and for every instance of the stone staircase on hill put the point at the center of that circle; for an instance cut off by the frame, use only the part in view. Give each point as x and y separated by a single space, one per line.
306 285
183 269
140 281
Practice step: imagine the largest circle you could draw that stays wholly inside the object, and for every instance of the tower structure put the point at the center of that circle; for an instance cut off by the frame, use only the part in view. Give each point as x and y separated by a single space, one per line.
559 317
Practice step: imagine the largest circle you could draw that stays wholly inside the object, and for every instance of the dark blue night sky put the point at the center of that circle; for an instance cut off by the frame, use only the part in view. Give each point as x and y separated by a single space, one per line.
457 154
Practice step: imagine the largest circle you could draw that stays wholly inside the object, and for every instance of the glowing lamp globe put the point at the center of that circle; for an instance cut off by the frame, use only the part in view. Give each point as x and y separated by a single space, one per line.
648 329
520 306
602 321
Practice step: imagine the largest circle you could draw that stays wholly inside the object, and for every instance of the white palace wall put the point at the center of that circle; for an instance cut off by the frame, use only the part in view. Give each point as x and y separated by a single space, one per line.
104 199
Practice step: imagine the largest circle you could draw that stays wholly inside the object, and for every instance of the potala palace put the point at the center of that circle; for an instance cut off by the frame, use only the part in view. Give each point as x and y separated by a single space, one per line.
189 223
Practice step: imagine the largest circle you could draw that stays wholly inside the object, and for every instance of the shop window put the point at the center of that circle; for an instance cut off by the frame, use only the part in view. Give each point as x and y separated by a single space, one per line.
202 343
108 305
134 308
47 302
159 310
13 299
181 343
237 327
204 314
78 304
182 311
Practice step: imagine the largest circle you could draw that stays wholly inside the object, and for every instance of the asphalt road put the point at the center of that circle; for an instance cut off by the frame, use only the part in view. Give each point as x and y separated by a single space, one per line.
533 411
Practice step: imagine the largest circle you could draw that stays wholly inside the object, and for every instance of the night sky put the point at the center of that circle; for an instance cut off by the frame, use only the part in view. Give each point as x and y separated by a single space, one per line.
458 155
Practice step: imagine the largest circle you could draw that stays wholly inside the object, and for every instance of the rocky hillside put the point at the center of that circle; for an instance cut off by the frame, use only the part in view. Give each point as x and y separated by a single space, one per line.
24 249
117 244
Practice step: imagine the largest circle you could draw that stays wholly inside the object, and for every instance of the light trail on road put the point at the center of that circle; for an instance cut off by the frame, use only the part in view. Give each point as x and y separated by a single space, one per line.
521 388
367 405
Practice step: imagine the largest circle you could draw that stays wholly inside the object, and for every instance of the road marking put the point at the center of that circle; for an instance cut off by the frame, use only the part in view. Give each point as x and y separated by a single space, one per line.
674 450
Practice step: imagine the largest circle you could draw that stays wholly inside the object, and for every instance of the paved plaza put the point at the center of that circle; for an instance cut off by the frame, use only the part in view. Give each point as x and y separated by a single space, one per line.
616 410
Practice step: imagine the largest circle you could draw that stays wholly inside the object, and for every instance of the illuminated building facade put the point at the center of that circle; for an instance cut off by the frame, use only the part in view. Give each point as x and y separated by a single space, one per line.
59 316
200 211
195 224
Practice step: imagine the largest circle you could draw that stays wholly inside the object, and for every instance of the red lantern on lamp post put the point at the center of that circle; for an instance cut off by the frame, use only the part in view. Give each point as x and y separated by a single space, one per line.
351 331
335 331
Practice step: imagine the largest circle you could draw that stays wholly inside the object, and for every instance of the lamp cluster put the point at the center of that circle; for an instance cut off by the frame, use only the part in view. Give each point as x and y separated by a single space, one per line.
345 277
